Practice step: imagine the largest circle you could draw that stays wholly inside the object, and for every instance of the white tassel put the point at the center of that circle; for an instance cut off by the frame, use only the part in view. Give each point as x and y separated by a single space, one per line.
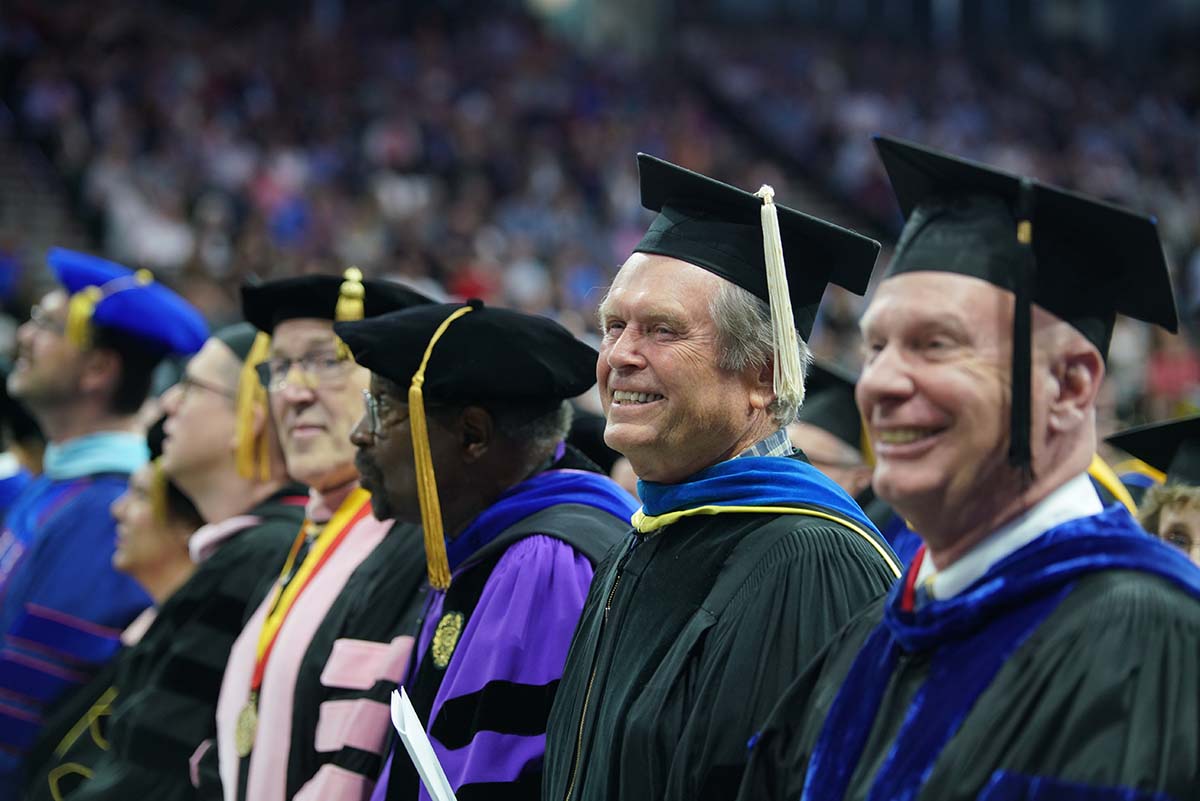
789 373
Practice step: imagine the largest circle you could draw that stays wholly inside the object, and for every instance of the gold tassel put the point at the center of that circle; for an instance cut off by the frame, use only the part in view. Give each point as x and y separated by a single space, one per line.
80 309
865 444
252 455
158 492
82 305
431 511
350 305
350 297
789 373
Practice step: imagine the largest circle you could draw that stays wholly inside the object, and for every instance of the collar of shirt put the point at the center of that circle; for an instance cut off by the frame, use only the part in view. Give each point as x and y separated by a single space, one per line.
102 452
778 444
322 505
208 539
1074 499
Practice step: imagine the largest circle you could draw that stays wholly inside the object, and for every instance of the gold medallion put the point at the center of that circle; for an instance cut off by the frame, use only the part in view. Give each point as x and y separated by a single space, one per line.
247 727
445 638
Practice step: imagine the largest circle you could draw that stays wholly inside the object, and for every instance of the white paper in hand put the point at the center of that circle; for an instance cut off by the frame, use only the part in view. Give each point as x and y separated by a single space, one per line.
419 749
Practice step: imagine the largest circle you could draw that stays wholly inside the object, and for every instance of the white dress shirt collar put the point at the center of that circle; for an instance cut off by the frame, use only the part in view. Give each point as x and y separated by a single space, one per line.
1074 499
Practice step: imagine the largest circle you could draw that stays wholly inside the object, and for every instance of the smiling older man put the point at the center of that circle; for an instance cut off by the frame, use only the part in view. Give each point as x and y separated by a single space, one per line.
744 558
1040 646
302 711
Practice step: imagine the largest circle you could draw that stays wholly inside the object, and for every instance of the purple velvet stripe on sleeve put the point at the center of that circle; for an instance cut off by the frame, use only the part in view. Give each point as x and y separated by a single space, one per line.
519 632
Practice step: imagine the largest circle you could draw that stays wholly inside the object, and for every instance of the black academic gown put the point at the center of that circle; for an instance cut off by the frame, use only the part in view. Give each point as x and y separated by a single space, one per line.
380 601
1103 694
159 705
688 638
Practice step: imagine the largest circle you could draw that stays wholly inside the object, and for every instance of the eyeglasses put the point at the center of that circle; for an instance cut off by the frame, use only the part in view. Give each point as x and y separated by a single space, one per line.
42 319
371 413
316 369
372 416
188 382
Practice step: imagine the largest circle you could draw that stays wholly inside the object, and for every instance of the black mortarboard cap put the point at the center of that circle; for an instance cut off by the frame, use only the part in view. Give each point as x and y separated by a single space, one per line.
1082 259
318 296
322 297
829 403
239 338
1172 447
587 436
1093 260
466 354
491 354
716 226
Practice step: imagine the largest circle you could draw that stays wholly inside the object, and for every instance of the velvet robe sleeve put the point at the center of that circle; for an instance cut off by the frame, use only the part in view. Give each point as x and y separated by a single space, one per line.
171 679
802 592
63 610
1101 703
1106 696
488 725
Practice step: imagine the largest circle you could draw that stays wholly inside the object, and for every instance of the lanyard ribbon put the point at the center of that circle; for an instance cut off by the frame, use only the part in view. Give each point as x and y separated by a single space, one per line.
356 506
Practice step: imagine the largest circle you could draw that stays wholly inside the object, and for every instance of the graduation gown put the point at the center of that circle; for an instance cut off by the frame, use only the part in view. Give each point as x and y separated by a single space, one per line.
62 604
1067 672
492 647
323 716
691 633
162 699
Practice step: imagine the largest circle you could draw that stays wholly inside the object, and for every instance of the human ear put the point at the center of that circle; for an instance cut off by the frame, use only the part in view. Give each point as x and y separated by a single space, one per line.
1077 371
476 429
101 370
761 383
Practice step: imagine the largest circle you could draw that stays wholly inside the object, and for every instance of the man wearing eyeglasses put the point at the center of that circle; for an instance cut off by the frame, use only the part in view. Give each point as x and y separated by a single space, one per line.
303 708
220 450
83 370
465 431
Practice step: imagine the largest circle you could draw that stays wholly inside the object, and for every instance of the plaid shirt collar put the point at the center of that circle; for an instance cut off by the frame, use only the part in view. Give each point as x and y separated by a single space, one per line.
778 444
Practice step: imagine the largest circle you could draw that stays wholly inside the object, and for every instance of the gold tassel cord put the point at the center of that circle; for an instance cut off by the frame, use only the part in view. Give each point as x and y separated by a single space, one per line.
431 511
158 492
82 305
80 309
864 444
789 372
252 455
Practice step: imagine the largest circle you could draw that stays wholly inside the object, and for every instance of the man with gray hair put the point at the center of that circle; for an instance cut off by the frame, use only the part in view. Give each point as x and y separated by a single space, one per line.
744 559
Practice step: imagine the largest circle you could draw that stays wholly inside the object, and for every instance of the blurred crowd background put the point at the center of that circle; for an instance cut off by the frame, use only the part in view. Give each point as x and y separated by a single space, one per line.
486 149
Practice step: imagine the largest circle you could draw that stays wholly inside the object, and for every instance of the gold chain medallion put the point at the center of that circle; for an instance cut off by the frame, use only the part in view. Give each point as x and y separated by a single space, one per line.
247 727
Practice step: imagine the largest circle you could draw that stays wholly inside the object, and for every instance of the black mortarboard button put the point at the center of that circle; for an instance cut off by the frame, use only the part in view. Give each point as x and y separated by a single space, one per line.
1172 447
268 304
1094 260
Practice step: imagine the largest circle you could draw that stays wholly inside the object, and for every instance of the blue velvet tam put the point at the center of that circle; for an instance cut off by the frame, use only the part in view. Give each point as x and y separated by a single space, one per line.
107 294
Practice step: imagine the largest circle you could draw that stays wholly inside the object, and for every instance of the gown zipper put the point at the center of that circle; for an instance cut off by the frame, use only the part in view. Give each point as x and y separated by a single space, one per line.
587 694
